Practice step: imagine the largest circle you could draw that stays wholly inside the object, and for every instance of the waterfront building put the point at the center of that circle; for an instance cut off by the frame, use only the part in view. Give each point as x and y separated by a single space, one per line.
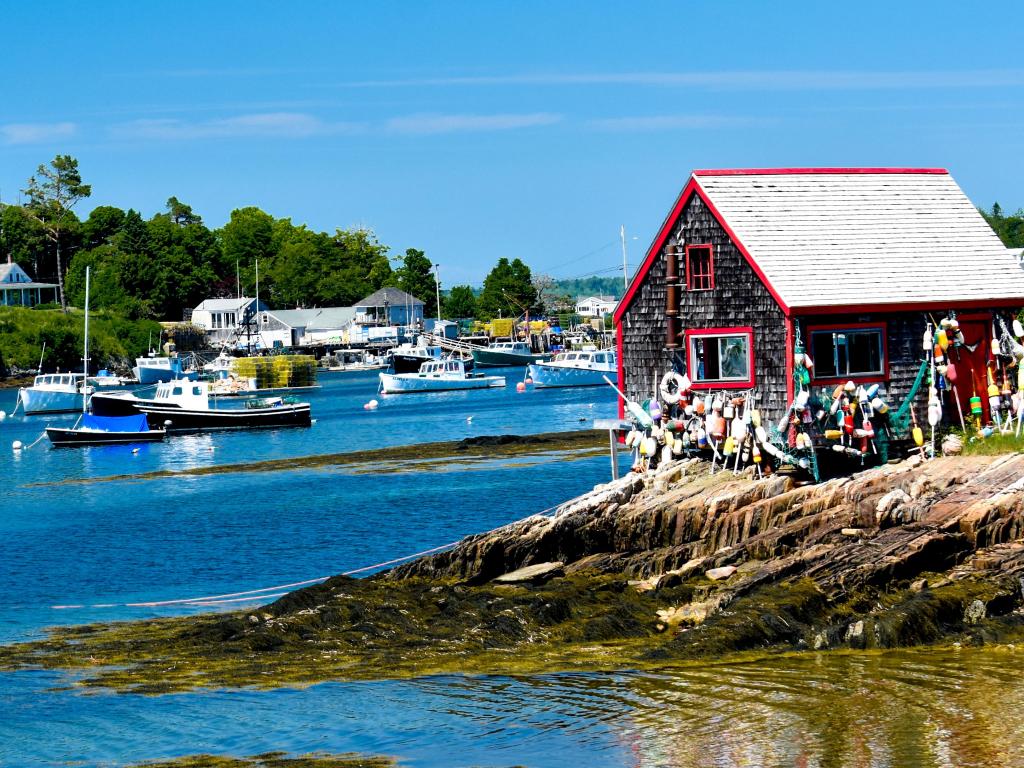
595 306
225 320
17 289
850 265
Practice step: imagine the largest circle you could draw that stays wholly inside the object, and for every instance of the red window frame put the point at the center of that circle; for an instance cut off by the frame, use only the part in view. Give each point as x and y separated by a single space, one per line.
879 325
710 277
691 366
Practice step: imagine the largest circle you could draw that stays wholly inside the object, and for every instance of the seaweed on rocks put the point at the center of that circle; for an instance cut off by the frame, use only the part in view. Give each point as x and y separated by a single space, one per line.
642 572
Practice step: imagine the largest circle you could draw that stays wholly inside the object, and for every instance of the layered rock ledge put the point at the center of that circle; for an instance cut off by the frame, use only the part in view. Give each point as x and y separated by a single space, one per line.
646 571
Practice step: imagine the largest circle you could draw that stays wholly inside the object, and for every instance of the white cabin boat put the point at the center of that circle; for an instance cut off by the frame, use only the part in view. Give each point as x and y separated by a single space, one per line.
585 368
437 376
53 393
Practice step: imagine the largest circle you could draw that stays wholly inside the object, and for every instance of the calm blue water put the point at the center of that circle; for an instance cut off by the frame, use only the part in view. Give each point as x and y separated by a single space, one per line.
158 539
146 540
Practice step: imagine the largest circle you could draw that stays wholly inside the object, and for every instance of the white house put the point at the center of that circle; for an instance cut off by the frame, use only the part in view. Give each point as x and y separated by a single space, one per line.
224 320
595 306
302 327
17 289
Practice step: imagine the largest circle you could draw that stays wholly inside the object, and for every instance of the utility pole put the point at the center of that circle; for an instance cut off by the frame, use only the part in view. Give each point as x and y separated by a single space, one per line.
625 274
437 286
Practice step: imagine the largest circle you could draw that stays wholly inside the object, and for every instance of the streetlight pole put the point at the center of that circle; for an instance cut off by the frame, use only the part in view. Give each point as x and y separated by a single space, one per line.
437 286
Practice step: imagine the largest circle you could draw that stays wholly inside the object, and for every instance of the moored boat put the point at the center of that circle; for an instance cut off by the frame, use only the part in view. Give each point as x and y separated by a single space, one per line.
153 370
506 354
105 430
407 358
437 376
186 406
584 368
54 393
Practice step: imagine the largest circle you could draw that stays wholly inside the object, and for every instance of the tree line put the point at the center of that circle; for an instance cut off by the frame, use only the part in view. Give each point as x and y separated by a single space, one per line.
161 266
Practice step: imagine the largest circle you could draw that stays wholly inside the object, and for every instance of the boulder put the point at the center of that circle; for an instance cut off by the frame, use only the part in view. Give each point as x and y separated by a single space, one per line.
532 574
717 574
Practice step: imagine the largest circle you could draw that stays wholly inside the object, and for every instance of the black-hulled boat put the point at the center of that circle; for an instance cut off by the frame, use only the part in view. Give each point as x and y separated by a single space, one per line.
105 430
186 406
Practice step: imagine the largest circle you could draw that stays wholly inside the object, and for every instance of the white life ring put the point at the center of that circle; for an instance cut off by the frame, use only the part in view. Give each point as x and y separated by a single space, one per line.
673 385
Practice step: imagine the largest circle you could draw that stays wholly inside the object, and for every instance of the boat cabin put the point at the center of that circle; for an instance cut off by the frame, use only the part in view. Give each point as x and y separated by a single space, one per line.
767 280
61 381
449 368
183 393
514 347
604 359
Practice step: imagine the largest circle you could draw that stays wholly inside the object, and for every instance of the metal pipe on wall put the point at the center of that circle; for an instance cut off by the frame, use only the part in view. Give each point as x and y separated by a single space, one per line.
672 296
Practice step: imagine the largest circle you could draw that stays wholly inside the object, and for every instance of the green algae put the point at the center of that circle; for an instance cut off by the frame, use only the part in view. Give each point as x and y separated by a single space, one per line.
550 446
273 760
346 629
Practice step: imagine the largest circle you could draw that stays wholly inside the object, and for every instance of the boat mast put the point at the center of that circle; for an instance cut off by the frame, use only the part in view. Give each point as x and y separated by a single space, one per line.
625 274
85 359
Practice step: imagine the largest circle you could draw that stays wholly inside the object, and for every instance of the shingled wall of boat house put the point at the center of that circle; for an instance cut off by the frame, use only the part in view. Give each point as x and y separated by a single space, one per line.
738 299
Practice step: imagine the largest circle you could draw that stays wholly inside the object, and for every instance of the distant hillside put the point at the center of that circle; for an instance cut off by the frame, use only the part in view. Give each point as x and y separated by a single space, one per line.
589 286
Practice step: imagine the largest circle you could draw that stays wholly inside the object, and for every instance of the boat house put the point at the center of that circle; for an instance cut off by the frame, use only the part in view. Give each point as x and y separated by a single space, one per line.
754 268
17 289
380 315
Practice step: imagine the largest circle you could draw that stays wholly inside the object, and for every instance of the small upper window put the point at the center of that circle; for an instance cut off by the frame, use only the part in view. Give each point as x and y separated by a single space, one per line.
700 268
844 353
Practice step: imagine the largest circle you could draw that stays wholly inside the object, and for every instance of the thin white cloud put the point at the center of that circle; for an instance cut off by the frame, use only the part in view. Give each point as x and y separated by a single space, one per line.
35 133
293 125
436 124
670 122
813 80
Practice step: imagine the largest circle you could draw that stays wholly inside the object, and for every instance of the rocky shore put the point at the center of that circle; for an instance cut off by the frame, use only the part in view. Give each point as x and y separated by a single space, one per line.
648 571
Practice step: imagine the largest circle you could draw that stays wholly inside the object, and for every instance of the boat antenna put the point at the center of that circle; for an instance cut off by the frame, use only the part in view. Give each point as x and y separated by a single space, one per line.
85 359
238 282
41 356
259 332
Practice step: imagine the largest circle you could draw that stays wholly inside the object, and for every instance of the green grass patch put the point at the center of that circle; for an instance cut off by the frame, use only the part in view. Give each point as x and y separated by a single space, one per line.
113 340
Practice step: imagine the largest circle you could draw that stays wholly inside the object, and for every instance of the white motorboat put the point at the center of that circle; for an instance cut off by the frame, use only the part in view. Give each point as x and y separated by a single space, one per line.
54 393
585 368
437 376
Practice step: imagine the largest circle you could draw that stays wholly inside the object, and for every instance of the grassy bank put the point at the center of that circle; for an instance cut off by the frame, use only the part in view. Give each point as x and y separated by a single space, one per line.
113 340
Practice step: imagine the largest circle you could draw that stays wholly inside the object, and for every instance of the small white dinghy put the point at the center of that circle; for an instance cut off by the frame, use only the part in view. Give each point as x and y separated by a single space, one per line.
437 376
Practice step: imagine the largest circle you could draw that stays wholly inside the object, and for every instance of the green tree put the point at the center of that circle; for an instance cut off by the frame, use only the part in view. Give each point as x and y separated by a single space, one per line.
460 303
1009 228
52 193
102 226
416 277
508 291
22 238
248 236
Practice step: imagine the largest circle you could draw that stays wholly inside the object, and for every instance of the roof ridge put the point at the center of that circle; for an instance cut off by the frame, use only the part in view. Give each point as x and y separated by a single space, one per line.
792 171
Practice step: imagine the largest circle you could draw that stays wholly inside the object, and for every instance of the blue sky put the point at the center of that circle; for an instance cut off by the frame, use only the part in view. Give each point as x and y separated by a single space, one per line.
476 130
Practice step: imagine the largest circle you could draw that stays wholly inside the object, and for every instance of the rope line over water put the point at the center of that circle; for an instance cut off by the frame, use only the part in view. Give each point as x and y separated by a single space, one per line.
250 595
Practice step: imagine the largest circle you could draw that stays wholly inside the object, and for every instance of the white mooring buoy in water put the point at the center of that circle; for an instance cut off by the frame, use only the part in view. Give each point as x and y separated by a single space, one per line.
16 445
3 415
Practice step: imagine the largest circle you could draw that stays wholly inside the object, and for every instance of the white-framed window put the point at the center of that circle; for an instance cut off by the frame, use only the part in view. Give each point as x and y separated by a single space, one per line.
721 357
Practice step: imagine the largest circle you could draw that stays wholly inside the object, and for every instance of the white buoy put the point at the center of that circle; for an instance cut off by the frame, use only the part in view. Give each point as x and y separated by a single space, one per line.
371 406
3 415
135 450
469 419
16 445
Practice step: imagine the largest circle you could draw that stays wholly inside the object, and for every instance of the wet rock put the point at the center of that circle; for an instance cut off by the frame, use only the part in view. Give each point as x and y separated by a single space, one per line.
974 613
820 641
855 634
532 574
717 574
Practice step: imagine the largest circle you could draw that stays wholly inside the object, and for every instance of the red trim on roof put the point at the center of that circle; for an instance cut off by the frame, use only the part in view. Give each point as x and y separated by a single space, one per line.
857 309
622 372
789 171
692 188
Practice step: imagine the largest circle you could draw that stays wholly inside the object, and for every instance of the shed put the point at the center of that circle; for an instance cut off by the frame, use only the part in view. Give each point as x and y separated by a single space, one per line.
851 264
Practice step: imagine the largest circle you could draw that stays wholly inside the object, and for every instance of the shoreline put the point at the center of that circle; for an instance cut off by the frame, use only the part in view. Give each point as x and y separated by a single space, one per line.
647 572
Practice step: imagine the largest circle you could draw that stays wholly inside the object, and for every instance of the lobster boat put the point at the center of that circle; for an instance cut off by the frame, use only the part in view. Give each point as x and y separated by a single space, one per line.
437 376
585 368
105 430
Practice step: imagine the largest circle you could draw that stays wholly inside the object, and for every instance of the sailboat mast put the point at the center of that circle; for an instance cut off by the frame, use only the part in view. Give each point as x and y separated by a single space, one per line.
85 360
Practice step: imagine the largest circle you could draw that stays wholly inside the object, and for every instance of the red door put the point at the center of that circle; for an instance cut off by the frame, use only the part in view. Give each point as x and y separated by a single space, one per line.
971 361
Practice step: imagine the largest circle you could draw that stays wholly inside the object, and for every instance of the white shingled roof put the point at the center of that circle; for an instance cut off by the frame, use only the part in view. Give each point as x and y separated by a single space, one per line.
864 236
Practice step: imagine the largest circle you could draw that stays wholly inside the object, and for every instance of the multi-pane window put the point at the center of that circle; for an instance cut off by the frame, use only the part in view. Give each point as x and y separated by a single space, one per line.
848 352
700 268
720 357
